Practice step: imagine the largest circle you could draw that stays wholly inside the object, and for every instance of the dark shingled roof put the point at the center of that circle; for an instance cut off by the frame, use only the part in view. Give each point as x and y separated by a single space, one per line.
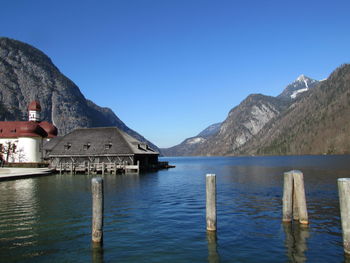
99 141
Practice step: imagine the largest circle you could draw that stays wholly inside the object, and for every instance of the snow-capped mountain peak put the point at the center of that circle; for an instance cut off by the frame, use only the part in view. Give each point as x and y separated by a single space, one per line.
301 78
300 85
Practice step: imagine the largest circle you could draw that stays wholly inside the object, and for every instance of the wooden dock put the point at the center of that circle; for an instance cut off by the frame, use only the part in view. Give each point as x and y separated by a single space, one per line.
96 168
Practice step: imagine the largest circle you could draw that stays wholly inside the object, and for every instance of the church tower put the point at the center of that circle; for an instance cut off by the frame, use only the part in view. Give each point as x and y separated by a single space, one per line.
34 111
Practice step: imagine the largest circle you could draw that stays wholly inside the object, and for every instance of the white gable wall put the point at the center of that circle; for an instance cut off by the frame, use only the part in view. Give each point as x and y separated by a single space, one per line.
28 149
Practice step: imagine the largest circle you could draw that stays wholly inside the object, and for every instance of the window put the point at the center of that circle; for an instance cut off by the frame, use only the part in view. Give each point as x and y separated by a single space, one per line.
108 146
67 146
86 146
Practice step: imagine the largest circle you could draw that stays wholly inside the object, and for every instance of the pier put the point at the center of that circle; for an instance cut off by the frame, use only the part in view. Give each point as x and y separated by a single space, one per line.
96 168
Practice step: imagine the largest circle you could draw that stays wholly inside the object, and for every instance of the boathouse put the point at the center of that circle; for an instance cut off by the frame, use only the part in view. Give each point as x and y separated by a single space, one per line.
99 150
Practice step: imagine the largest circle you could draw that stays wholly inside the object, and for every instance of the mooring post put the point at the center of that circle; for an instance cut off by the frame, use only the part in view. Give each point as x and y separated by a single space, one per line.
89 167
103 168
60 168
295 205
344 200
97 209
287 197
299 190
71 168
211 202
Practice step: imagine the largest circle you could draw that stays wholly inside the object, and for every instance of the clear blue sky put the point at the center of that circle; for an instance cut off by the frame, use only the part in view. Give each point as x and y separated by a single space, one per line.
170 68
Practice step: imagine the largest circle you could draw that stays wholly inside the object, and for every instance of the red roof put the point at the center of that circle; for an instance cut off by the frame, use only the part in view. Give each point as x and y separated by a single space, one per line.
35 106
49 128
15 129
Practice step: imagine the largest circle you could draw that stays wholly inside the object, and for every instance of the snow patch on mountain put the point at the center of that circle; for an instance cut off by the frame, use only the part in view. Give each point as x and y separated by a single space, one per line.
296 92
195 140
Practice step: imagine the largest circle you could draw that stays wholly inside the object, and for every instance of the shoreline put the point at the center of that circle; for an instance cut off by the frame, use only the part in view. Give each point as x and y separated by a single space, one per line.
7 174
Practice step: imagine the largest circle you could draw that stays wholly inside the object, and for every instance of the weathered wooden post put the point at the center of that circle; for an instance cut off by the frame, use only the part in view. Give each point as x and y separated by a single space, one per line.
89 168
71 168
299 190
294 201
103 168
344 200
60 168
97 209
295 206
211 202
287 197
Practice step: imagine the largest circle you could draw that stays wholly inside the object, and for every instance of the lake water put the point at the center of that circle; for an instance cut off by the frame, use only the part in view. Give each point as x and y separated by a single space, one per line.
160 216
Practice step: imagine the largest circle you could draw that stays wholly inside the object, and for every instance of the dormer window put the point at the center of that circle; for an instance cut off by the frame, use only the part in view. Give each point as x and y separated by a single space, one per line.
86 146
108 146
142 146
67 146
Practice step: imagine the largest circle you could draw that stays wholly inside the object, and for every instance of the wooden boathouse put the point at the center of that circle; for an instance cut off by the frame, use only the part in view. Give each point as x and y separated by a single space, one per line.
100 150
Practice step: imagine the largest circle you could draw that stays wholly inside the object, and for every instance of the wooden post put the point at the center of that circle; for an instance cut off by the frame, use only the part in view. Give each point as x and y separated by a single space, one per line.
295 205
71 168
211 202
115 168
97 209
60 168
300 197
103 168
89 167
287 197
344 200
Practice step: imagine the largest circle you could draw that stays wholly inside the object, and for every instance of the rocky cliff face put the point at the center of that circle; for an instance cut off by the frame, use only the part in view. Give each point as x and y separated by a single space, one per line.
27 74
244 122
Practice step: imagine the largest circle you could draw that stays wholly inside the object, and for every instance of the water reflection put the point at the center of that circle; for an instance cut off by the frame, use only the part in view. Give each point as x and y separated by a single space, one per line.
346 258
97 253
296 236
213 255
18 213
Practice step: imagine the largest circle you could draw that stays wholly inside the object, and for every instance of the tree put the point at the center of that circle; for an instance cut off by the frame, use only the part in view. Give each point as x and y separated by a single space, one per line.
10 151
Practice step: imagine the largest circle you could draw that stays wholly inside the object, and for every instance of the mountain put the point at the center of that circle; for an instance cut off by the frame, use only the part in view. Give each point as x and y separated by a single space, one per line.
300 85
210 131
190 145
317 123
28 74
244 122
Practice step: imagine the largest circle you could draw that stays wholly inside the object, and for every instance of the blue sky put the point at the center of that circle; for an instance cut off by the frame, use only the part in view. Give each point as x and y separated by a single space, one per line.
170 68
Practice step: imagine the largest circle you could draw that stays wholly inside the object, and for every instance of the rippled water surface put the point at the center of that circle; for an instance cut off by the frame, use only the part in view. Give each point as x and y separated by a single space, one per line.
160 217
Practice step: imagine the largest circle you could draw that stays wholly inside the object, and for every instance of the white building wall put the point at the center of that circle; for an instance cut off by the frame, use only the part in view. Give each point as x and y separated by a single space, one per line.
27 149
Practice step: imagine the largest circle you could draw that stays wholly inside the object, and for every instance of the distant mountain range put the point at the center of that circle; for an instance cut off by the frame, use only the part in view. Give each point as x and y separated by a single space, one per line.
28 74
308 117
